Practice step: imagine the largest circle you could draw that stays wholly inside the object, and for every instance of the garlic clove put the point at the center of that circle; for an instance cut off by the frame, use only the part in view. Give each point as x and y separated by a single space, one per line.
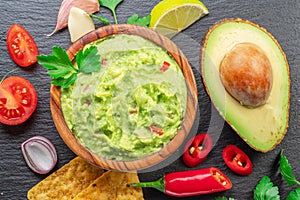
79 23
39 154
89 6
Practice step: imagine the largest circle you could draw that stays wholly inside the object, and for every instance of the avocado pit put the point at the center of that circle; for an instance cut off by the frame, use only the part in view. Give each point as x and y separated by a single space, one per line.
246 74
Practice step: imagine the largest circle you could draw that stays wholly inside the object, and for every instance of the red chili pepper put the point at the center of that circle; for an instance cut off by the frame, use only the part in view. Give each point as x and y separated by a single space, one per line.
157 130
190 183
165 66
237 160
197 149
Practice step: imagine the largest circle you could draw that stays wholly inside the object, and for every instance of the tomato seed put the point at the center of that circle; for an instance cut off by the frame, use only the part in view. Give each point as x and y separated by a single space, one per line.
24 101
13 114
17 40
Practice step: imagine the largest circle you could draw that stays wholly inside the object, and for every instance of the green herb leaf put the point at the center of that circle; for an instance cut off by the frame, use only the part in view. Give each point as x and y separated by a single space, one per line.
102 19
294 195
286 171
112 5
58 64
141 21
62 70
65 82
88 60
265 190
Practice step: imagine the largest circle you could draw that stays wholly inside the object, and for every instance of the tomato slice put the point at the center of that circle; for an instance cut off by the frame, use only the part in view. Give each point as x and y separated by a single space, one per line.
18 100
237 160
197 149
21 46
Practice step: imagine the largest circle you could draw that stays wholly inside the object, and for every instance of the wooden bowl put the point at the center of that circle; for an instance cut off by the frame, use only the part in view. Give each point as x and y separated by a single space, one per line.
173 145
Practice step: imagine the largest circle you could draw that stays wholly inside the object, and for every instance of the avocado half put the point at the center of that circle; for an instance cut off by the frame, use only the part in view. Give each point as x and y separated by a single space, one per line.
263 127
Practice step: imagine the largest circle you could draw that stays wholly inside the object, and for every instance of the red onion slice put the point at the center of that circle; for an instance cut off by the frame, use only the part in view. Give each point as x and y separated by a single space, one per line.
39 154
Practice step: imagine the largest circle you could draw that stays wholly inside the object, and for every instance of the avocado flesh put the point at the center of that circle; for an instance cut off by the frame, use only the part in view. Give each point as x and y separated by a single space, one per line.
263 127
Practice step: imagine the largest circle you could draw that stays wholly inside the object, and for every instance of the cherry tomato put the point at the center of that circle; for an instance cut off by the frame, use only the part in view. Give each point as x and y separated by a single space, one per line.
237 160
197 149
18 100
21 46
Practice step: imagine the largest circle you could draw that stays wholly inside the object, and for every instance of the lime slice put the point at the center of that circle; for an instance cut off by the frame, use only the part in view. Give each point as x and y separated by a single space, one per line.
169 17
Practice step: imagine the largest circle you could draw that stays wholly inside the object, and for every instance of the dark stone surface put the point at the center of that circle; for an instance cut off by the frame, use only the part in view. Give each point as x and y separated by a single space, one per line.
281 18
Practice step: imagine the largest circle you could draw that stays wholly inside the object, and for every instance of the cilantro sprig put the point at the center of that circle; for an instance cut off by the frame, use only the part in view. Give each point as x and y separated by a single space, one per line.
294 195
142 21
61 69
88 61
111 5
265 190
286 171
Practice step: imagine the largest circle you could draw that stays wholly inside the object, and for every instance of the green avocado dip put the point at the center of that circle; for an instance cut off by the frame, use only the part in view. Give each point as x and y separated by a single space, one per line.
133 106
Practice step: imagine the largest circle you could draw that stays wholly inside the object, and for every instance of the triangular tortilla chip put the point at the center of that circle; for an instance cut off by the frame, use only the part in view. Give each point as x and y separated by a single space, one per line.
112 186
66 182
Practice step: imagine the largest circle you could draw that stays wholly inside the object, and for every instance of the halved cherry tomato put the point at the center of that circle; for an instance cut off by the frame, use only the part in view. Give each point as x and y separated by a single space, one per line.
237 160
197 149
18 100
21 46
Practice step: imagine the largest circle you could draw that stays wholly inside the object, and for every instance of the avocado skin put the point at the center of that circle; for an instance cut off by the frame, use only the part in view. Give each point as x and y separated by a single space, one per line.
277 137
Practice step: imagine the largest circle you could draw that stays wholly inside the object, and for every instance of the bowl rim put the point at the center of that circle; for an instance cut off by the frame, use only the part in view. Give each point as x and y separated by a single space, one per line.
186 124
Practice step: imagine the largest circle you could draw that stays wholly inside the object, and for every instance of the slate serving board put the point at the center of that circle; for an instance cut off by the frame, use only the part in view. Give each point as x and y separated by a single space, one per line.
281 18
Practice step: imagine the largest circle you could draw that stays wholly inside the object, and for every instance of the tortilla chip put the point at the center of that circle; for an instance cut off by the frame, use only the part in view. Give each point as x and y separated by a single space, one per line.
66 182
112 186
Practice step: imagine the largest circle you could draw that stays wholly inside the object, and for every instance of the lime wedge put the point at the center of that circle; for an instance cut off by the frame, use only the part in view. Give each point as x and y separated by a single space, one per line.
169 17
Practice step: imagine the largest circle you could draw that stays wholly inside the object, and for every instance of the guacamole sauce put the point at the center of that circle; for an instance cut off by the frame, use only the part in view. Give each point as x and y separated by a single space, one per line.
132 107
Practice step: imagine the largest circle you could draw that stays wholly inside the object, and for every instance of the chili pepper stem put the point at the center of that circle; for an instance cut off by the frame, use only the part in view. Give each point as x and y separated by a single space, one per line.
158 184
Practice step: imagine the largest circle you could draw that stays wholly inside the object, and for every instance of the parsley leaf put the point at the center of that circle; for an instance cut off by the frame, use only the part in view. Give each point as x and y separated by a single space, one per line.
286 171
112 5
62 70
294 195
65 82
142 21
58 64
265 190
88 61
